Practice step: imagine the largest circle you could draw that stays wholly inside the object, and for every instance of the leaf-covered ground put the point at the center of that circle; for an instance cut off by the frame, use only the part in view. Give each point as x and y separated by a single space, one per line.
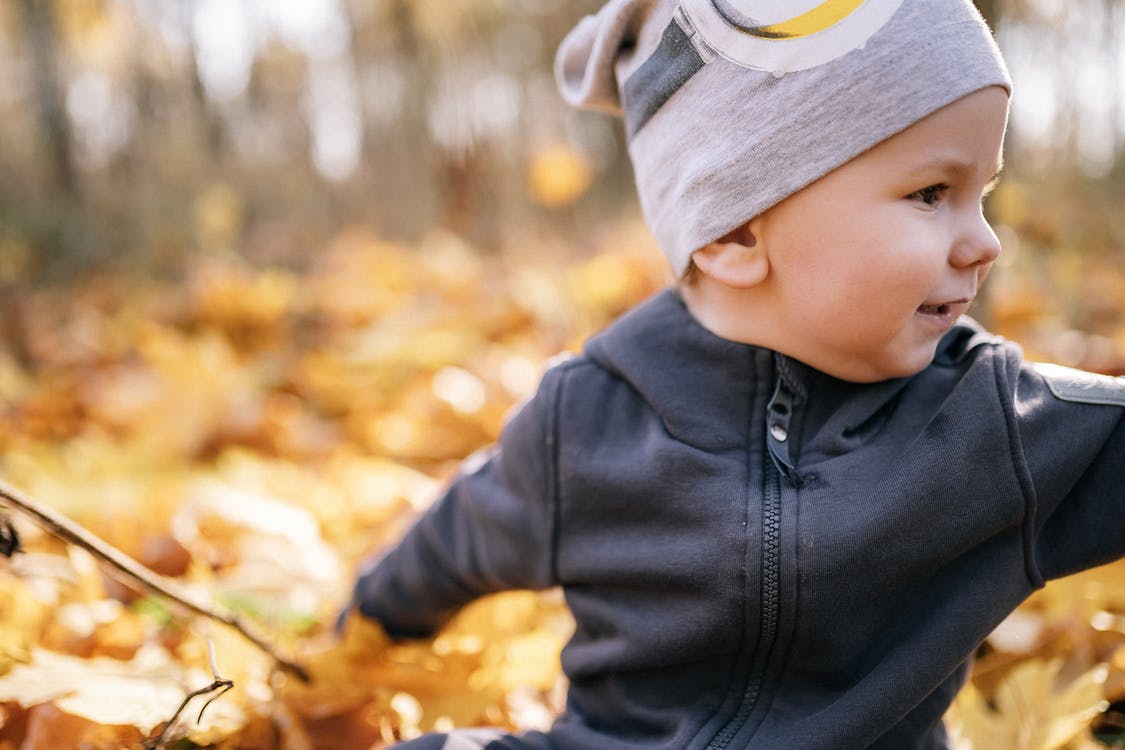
254 432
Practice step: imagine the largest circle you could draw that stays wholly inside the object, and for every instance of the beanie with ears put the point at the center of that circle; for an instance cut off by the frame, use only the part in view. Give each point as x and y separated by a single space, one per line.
730 106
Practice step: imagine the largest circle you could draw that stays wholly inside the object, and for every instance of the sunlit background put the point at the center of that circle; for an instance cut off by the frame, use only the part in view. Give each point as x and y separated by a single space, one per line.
145 131
149 129
271 269
144 134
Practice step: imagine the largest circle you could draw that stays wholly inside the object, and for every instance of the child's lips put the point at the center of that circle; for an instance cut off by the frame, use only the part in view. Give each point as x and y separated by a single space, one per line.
944 313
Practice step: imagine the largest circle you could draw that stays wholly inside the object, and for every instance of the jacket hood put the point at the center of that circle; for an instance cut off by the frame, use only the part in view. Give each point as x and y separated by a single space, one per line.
704 394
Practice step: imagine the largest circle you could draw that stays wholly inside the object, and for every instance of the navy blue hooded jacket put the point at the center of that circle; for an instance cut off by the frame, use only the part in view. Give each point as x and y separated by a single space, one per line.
758 555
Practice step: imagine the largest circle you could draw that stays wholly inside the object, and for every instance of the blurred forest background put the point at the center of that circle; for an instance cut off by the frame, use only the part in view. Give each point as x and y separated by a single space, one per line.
269 269
140 135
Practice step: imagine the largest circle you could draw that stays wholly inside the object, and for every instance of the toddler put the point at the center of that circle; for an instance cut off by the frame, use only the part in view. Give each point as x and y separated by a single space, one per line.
787 498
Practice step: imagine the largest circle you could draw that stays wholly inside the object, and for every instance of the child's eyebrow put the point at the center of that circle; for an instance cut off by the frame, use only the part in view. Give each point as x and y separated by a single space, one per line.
959 167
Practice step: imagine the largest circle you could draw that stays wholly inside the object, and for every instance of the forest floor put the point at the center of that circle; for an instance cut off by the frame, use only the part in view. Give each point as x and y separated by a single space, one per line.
253 433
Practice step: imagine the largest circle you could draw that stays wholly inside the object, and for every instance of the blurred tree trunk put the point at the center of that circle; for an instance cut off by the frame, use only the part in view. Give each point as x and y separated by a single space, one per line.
145 140
40 25
414 188
210 126
360 56
1113 41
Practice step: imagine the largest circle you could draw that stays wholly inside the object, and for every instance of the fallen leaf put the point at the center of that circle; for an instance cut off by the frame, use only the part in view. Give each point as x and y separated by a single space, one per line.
1032 711
49 727
21 620
139 693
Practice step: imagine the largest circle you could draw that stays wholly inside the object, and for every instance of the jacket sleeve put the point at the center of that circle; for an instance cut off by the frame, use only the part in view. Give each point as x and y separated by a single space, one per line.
492 530
1071 426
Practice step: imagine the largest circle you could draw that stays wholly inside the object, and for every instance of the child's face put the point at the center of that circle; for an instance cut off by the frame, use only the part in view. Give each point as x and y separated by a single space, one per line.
873 263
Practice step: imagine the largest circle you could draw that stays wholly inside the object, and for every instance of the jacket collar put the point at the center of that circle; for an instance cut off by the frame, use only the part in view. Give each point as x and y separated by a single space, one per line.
705 387
702 386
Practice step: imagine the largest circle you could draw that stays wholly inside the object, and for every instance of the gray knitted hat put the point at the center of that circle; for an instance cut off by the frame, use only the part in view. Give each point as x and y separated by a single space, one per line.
732 105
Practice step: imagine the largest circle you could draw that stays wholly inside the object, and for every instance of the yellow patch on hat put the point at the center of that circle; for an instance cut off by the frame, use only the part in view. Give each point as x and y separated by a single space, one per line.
823 16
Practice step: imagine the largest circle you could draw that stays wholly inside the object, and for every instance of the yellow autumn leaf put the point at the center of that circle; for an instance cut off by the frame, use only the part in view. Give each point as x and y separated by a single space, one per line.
558 176
1032 711
142 692
21 618
246 304
530 659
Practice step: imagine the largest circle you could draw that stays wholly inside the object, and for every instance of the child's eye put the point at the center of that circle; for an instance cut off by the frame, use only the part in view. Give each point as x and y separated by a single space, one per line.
929 195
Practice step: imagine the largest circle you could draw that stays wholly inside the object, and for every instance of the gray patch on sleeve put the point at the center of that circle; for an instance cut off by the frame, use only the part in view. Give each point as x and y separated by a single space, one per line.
471 739
1082 387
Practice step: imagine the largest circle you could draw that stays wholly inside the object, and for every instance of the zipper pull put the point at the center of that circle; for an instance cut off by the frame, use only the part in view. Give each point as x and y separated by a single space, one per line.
779 415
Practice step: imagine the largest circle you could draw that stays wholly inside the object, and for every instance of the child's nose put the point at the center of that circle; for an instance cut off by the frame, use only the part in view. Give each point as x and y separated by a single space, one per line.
977 245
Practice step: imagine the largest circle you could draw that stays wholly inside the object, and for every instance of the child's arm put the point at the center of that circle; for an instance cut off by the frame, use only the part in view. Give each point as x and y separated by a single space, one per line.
1071 426
493 529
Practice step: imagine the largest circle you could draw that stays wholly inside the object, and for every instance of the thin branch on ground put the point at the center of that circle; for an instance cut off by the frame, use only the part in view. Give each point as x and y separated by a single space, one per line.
217 687
72 533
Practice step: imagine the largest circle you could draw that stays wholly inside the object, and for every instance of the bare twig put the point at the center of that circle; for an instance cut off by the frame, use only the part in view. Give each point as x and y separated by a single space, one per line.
218 687
218 680
222 686
158 742
72 533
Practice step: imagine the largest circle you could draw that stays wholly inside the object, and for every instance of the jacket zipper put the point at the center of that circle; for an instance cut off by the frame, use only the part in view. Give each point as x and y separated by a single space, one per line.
779 412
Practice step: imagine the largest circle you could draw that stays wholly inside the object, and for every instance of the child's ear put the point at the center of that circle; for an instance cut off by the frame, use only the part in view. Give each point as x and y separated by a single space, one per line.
736 259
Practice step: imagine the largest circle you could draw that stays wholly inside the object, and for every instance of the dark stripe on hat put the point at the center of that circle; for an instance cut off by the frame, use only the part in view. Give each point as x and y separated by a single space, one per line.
674 61
745 24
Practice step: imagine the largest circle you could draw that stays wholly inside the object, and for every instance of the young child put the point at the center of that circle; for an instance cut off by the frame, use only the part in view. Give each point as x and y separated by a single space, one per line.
787 499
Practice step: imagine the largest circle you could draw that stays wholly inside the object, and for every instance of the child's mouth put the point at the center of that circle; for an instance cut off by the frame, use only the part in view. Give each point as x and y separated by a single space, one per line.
943 314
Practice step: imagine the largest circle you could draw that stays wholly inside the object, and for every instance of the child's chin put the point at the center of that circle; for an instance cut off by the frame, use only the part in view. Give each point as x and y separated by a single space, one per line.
915 365
903 366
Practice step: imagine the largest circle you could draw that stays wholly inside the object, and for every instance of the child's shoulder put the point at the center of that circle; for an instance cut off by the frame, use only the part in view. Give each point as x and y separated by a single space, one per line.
969 345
